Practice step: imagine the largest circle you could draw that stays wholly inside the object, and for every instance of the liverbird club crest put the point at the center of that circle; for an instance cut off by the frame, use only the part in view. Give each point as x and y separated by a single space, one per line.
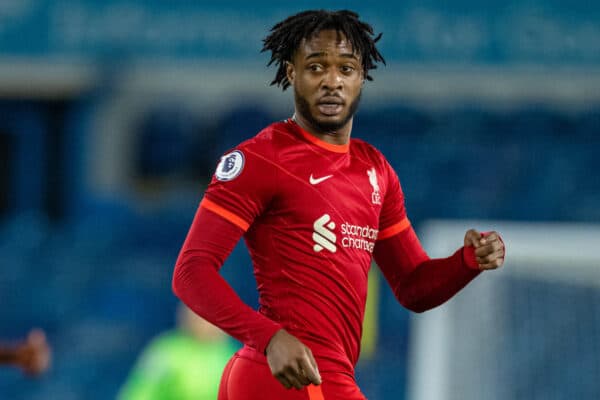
375 196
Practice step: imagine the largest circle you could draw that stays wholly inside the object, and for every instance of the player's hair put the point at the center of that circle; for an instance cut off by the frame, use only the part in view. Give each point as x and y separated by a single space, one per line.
286 36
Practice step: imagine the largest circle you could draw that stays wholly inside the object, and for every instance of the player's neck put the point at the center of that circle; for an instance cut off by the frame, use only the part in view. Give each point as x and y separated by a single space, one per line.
338 137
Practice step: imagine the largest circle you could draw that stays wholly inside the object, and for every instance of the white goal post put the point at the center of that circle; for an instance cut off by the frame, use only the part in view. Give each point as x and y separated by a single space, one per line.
530 330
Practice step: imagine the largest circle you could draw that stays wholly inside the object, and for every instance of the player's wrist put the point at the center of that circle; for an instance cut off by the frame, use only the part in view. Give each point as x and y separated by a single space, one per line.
267 341
272 341
469 257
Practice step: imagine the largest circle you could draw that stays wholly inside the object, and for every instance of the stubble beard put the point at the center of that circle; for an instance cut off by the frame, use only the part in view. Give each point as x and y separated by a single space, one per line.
303 108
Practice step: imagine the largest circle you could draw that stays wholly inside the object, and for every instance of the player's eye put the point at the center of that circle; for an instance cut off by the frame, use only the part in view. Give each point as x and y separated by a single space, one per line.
315 67
346 69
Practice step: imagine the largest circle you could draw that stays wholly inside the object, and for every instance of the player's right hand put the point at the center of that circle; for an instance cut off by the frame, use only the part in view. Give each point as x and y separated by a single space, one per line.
291 362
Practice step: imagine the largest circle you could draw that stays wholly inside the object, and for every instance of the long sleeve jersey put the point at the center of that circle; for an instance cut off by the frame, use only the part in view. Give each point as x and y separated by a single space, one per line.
313 215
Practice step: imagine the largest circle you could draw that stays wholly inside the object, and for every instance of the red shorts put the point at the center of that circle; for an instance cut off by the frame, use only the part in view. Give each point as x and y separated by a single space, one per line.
249 379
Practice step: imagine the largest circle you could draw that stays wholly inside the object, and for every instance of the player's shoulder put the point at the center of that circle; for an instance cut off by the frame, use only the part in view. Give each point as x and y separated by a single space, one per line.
260 151
366 151
268 141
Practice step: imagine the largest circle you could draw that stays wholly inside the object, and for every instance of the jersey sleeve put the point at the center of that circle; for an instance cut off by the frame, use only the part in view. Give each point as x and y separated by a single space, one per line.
197 282
393 218
418 282
242 185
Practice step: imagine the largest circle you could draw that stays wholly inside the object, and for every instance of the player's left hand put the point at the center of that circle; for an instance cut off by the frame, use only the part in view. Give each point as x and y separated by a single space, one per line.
488 248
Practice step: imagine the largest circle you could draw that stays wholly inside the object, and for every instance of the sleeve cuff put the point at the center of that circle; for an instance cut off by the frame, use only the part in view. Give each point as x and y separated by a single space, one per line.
262 341
469 259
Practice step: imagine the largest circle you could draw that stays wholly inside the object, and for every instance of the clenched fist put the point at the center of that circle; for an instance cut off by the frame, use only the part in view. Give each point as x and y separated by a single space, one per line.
487 249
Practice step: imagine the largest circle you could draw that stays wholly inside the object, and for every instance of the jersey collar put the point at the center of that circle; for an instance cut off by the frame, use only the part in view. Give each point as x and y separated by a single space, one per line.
336 148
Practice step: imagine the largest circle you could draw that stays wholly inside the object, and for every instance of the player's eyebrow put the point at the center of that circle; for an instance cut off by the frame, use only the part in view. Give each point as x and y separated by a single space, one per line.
349 55
323 54
316 55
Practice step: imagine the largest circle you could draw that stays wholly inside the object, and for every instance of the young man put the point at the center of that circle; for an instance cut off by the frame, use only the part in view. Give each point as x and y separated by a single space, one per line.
314 206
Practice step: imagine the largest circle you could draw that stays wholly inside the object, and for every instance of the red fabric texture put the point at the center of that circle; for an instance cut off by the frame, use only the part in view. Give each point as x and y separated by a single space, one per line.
313 213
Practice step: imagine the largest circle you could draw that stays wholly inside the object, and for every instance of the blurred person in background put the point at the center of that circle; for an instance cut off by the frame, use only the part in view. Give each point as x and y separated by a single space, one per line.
32 355
314 207
184 363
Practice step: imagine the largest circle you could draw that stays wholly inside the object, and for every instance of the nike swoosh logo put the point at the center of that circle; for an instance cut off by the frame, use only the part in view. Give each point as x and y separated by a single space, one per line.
316 181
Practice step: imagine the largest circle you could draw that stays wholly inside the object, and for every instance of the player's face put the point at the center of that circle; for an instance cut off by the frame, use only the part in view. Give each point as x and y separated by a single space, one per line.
327 77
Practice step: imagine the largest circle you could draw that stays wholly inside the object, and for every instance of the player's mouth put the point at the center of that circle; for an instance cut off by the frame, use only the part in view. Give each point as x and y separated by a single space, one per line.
330 105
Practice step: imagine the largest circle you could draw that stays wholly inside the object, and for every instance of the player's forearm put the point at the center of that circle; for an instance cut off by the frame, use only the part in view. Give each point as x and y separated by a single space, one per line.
197 282
434 282
418 282
205 291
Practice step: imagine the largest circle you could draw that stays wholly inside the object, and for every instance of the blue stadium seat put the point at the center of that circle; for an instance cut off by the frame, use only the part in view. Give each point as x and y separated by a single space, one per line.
241 123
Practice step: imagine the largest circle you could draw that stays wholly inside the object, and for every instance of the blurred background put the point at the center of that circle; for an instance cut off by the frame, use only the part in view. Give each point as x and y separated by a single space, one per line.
114 113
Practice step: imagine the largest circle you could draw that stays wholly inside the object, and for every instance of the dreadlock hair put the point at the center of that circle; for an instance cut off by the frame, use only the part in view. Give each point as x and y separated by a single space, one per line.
286 36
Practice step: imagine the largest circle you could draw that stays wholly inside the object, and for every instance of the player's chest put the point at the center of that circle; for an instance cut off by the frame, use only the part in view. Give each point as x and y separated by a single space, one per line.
343 192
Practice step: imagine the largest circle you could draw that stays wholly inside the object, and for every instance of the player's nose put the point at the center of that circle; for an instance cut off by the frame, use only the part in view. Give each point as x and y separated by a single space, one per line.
332 80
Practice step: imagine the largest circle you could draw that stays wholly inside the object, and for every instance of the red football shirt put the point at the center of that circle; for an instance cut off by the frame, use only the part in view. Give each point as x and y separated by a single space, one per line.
312 212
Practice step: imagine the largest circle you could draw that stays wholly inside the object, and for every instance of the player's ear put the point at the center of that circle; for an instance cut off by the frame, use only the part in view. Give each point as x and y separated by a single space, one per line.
290 72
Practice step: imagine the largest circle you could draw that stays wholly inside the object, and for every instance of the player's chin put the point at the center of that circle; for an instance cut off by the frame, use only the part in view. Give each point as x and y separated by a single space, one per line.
332 122
331 126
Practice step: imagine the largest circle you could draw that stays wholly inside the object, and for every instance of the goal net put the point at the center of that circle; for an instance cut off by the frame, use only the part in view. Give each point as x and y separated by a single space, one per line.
530 330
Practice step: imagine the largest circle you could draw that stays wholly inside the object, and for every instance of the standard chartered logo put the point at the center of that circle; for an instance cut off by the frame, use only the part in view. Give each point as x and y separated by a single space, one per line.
323 234
359 237
352 236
